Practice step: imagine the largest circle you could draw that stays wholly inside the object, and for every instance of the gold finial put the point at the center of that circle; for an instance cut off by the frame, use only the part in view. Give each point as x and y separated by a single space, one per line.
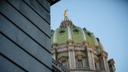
65 12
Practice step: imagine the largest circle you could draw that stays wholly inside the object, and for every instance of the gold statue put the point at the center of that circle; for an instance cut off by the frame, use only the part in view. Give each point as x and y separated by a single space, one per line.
65 12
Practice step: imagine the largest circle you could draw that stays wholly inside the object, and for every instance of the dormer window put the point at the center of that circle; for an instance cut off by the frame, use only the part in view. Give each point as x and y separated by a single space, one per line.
84 29
76 30
89 34
62 31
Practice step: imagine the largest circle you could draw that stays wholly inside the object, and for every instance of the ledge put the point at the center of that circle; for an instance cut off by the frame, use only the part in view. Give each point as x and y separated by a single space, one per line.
52 1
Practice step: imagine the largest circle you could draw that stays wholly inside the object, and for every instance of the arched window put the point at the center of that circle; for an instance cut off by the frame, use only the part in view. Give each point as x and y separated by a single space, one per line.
89 34
62 31
79 63
85 62
65 64
76 30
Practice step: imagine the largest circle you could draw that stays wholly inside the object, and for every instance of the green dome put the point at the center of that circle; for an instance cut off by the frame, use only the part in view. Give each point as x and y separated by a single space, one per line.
68 31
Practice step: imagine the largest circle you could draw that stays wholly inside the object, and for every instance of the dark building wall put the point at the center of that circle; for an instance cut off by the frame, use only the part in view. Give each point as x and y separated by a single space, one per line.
25 36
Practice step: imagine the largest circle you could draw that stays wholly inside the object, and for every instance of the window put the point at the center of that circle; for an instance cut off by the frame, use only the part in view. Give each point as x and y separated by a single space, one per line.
65 64
76 30
62 31
84 29
89 34
79 63
85 62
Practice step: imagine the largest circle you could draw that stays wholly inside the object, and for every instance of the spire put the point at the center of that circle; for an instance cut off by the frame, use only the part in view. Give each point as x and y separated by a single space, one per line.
65 14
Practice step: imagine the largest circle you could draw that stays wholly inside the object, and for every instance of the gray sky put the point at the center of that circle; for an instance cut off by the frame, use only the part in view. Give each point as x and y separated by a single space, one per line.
107 19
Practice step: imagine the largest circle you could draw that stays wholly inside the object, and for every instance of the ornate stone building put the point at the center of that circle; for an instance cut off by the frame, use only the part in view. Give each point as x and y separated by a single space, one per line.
78 49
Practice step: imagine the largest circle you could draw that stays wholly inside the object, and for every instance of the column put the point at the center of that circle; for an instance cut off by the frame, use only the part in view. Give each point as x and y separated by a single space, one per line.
91 59
71 54
106 64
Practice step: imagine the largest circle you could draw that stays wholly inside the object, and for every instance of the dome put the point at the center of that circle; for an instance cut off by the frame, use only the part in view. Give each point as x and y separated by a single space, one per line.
69 32
77 48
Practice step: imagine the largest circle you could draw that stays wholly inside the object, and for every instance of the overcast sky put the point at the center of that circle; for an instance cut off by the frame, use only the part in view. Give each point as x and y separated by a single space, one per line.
107 19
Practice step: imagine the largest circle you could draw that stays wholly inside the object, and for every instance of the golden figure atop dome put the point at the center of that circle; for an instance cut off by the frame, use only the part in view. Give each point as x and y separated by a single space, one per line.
65 15
65 12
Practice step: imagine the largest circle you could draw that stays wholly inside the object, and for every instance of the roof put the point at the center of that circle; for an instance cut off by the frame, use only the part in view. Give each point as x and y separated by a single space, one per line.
67 31
52 1
78 35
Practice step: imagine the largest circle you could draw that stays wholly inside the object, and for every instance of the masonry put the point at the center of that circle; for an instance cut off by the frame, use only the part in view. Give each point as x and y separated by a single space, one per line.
25 35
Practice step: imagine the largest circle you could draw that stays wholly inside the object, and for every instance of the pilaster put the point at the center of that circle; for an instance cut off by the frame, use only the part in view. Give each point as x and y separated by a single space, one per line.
91 59
71 54
105 62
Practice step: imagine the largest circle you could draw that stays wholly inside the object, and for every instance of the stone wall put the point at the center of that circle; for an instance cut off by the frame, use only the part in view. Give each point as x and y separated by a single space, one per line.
25 36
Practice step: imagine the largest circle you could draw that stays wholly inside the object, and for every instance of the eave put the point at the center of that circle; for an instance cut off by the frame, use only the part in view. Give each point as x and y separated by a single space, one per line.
52 1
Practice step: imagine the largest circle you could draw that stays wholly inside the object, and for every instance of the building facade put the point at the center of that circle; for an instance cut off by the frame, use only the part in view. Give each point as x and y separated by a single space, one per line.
25 34
78 49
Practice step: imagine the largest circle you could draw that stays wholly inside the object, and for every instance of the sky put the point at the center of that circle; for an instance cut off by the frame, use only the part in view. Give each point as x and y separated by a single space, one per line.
107 19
